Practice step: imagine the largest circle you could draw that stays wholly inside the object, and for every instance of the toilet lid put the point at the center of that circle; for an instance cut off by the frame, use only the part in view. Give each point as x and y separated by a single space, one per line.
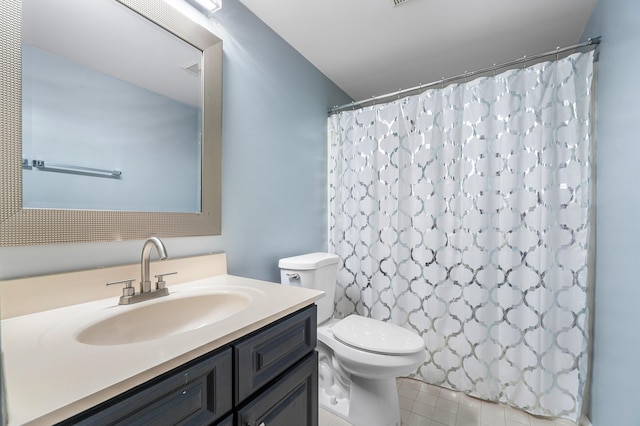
376 336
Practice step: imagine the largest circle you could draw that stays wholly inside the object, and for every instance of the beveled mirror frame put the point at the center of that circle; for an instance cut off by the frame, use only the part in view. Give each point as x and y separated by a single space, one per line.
20 226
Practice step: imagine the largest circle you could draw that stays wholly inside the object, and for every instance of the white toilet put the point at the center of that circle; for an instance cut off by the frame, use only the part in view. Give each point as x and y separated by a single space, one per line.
359 358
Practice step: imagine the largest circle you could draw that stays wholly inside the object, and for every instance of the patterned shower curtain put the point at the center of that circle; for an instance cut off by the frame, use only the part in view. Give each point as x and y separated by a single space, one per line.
463 213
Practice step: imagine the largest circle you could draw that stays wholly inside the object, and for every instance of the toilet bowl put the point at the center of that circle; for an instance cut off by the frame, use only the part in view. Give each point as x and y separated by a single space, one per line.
359 358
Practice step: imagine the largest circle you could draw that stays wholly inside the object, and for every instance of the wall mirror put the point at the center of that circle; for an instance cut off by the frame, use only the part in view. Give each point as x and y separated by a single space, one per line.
110 136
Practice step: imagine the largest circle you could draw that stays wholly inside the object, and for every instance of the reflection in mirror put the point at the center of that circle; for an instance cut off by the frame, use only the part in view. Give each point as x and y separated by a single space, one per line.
109 167
111 110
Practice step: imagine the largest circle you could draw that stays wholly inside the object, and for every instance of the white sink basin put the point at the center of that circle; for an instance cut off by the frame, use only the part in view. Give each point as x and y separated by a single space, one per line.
162 317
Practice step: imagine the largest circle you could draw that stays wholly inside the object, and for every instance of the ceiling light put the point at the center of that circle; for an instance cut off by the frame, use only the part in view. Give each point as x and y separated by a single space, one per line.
206 7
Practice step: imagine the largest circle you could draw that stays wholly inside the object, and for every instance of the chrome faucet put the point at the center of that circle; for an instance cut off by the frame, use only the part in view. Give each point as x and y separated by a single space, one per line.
129 294
145 283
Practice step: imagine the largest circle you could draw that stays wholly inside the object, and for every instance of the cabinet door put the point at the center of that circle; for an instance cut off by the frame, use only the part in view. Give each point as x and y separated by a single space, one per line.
291 400
197 394
262 357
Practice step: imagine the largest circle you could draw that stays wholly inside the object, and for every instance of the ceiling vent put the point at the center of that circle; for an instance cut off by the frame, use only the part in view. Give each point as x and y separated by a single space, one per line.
399 2
193 68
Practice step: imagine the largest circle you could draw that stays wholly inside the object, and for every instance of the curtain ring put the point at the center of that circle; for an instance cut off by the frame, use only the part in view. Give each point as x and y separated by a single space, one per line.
557 53
524 62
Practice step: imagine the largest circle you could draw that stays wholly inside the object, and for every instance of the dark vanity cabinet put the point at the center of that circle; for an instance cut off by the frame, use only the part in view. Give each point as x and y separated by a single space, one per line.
269 377
280 360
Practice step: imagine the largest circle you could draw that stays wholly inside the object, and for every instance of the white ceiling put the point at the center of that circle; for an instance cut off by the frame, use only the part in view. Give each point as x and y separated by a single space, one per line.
108 37
370 47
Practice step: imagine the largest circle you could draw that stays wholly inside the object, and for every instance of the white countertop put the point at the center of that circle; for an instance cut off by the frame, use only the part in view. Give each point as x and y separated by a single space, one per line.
50 376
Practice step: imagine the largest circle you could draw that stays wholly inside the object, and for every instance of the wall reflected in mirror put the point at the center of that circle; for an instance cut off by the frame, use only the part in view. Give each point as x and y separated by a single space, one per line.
95 95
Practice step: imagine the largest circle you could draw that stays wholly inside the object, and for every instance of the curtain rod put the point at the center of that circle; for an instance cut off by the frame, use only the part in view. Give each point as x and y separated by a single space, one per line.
523 60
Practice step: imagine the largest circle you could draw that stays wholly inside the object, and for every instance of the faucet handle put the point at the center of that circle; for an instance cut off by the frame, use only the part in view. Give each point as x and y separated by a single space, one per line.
128 289
160 284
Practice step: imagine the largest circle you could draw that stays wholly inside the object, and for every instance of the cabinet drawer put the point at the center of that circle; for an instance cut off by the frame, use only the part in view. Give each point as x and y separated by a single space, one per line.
292 400
261 358
196 395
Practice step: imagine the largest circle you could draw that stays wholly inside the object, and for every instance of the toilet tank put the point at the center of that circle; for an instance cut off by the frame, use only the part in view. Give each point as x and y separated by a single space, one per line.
314 270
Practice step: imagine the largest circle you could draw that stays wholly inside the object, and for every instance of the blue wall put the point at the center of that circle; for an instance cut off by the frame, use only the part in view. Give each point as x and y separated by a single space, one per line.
616 360
274 163
147 136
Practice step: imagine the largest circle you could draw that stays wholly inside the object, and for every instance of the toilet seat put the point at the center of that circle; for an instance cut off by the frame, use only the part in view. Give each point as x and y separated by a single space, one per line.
376 336
365 363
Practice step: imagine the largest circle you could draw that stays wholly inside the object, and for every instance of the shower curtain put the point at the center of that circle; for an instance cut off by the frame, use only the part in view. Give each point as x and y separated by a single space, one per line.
463 213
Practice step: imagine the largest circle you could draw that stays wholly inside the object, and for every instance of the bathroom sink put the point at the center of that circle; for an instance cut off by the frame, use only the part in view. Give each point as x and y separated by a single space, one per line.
170 315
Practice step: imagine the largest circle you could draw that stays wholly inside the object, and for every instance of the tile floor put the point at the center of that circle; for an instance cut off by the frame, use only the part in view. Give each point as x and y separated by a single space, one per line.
427 405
